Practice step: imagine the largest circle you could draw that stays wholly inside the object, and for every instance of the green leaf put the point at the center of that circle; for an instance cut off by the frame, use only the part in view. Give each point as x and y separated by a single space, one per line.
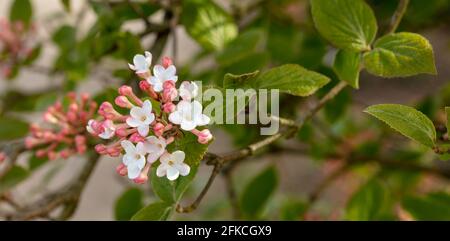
231 81
433 207
293 210
347 24
367 203
447 124
158 211
291 79
162 187
130 202
66 4
406 120
257 193
33 55
208 24
400 55
347 67
12 128
194 151
65 37
35 162
21 10
13 177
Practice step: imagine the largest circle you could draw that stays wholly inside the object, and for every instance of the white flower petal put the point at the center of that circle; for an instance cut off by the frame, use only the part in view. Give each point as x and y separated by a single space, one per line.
183 168
143 130
147 106
188 125
133 122
140 63
158 71
127 159
178 156
165 158
150 118
162 170
175 117
141 162
172 173
133 171
128 146
137 112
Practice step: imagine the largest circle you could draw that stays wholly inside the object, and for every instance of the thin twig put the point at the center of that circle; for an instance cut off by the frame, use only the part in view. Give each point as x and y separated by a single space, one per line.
398 15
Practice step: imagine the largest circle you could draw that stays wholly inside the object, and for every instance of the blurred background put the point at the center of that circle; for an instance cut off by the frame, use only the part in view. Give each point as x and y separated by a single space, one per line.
271 33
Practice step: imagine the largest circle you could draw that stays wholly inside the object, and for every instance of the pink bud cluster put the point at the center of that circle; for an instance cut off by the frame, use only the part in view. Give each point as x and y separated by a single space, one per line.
148 117
15 44
63 132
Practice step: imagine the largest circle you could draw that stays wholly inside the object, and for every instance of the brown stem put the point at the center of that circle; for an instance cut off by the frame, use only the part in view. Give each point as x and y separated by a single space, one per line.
68 197
398 15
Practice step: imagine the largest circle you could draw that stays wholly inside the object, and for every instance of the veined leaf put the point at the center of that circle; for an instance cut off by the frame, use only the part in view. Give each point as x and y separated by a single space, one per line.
347 24
400 55
406 120
346 66
158 211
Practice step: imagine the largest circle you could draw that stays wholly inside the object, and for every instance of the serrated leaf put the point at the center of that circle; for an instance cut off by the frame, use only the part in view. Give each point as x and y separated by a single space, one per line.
346 66
158 211
291 79
406 120
367 203
347 24
129 202
208 23
21 10
400 55
12 128
258 192
433 207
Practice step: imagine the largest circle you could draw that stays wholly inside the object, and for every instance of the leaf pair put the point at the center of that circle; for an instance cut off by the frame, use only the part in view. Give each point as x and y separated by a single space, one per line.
351 26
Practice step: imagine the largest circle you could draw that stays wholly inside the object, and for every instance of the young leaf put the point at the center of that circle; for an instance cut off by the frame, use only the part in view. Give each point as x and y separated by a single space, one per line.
21 10
158 211
406 120
367 203
400 55
257 193
128 204
435 206
346 67
12 128
347 24
447 113
291 79
209 24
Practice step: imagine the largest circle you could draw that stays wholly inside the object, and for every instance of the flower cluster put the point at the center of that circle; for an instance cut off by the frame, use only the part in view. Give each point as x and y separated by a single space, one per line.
152 123
63 132
15 45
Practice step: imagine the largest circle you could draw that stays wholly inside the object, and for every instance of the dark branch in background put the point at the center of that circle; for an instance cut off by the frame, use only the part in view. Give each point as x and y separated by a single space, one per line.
398 15
67 198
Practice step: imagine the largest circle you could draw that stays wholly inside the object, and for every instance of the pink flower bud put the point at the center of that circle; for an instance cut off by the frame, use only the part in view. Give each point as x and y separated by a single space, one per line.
124 131
204 136
166 62
66 153
80 144
100 149
158 129
123 102
147 88
141 179
2 157
121 169
52 155
125 90
169 84
169 107
135 138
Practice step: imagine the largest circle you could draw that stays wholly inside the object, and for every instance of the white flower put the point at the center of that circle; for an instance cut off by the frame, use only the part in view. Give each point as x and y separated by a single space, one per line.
161 75
134 158
188 90
141 117
155 147
172 165
189 115
141 64
104 130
